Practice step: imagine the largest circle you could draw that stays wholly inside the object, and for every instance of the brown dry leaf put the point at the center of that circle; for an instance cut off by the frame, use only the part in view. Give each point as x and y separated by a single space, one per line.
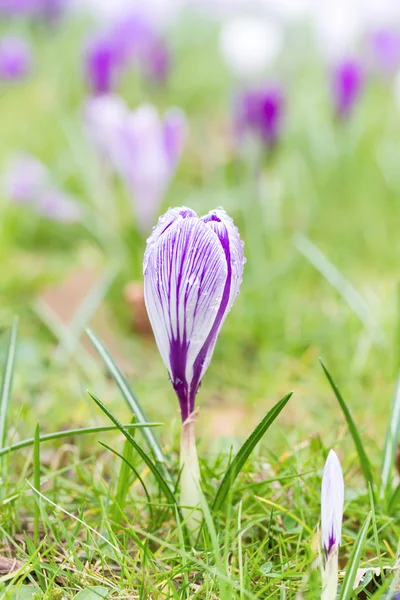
226 421
134 295
64 300
9 565
371 578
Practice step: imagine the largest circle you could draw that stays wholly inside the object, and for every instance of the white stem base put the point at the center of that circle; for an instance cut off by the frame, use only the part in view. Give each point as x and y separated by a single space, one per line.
330 575
190 478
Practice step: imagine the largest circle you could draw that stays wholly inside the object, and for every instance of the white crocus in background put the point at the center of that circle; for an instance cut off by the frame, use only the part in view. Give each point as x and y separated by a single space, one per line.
332 500
250 45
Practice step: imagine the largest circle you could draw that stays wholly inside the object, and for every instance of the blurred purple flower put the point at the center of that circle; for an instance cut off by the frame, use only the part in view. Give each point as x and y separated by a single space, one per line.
42 8
259 112
130 41
102 63
27 181
25 178
58 206
347 84
15 58
193 270
143 148
384 46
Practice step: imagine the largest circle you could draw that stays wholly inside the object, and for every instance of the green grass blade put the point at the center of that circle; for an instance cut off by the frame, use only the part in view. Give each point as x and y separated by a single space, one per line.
346 591
7 382
363 458
70 433
152 466
245 451
132 402
36 483
123 479
126 463
391 441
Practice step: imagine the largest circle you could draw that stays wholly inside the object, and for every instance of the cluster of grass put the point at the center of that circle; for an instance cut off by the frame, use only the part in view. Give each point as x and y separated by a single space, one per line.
321 280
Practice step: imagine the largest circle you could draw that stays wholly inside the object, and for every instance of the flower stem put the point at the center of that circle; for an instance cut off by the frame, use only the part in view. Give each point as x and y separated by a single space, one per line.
190 476
330 575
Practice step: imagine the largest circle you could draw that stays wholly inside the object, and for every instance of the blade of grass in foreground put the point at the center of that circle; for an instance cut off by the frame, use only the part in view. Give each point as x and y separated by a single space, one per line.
364 462
391 441
70 433
153 467
346 591
133 404
245 451
7 382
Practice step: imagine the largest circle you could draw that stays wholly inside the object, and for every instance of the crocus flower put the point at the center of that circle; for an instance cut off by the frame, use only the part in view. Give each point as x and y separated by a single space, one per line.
32 8
102 64
192 269
25 178
384 46
27 181
143 148
15 58
58 206
250 45
347 84
259 111
129 41
332 500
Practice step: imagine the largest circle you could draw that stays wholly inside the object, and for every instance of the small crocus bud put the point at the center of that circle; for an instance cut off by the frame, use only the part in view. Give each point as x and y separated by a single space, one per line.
193 269
102 64
15 58
259 112
347 84
250 46
332 500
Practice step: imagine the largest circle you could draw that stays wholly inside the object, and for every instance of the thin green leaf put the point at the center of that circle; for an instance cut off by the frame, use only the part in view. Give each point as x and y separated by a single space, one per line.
7 382
124 480
127 463
245 451
70 433
133 404
391 441
153 468
363 458
343 286
346 591
36 483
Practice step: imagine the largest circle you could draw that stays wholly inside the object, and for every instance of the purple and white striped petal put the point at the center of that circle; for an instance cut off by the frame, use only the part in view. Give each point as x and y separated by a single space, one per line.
332 500
192 272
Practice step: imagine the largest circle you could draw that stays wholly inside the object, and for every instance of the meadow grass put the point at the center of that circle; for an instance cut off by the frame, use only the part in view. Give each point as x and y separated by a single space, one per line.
318 216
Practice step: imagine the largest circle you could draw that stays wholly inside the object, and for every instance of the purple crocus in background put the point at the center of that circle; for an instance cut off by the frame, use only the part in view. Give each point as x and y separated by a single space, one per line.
192 269
132 40
259 111
141 146
27 181
102 63
48 9
332 500
347 84
15 58
384 49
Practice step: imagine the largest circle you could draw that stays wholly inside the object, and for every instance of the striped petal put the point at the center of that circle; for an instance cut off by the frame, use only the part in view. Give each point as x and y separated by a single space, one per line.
191 279
332 500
